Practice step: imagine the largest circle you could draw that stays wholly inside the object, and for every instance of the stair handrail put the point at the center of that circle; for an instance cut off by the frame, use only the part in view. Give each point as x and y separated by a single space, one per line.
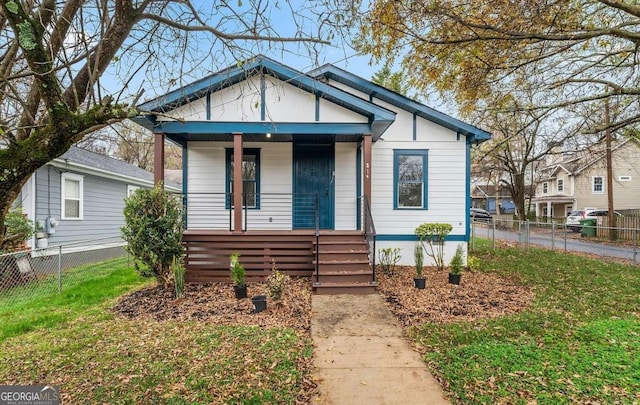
317 218
370 235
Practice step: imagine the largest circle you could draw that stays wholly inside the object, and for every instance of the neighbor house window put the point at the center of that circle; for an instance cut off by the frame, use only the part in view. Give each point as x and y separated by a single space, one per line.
598 184
560 185
72 195
545 187
131 190
250 176
410 179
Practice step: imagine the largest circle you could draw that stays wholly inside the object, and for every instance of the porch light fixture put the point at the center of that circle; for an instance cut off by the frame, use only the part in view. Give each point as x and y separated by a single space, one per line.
268 135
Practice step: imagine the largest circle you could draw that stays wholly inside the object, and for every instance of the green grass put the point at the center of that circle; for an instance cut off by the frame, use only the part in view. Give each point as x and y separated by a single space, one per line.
578 342
74 341
84 287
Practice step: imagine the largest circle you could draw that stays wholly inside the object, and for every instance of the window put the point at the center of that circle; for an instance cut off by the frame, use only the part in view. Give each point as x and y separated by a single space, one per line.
72 192
545 187
131 189
560 185
597 185
410 180
250 176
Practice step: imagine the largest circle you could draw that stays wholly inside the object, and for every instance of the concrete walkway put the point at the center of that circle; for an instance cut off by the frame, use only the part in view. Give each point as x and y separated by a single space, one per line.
362 357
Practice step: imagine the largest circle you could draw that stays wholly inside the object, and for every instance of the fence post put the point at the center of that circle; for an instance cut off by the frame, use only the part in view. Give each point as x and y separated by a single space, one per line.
60 269
493 241
553 235
635 244
473 234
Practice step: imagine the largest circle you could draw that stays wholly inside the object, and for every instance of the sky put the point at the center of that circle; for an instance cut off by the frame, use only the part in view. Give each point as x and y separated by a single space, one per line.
207 59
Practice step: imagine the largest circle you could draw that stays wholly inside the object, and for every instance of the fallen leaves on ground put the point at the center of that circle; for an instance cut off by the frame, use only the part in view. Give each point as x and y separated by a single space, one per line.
215 303
479 295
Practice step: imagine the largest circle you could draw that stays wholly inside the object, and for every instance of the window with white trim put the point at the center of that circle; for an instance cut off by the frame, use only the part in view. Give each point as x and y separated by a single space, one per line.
131 189
597 184
560 185
545 187
72 195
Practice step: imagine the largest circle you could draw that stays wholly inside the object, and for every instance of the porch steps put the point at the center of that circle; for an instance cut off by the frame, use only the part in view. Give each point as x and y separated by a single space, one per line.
343 265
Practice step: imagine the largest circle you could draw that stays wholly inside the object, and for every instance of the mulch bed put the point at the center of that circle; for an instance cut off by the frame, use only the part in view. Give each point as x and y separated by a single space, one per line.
479 295
215 303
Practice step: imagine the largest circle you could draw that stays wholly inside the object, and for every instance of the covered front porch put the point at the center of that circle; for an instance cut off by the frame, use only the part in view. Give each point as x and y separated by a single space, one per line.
553 206
303 208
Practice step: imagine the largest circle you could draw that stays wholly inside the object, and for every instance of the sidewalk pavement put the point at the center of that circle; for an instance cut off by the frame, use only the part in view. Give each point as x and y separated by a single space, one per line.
362 356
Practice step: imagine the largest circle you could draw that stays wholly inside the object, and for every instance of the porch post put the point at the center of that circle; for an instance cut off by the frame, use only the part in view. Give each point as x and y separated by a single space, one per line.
237 182
158 158
367 167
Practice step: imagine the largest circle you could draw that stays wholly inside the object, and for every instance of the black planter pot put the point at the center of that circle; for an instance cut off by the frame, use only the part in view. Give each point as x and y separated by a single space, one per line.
454 278
259 303
419 283
241 292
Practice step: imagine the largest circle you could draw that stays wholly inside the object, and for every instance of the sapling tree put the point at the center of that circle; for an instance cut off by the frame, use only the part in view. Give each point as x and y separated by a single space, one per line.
432 237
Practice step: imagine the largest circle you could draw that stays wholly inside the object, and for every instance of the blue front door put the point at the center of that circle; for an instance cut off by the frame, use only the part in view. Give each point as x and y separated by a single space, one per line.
313 175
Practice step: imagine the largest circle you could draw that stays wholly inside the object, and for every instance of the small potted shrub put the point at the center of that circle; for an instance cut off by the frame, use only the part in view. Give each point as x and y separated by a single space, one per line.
238 276
418 254
456 265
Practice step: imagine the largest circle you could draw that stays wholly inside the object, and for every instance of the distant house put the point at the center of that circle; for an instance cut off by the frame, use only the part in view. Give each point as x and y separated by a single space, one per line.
495 201
80 196
578 181
333 167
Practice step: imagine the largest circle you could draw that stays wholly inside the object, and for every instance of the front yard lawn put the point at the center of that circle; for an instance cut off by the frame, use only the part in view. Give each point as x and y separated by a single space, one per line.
577 342
98 356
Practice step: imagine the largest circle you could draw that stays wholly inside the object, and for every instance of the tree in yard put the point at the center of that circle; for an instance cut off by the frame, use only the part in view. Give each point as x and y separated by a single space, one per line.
73 67
581 50
395 81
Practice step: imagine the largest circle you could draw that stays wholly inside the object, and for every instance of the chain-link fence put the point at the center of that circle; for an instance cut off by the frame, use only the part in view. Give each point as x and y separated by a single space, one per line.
592 238
42 272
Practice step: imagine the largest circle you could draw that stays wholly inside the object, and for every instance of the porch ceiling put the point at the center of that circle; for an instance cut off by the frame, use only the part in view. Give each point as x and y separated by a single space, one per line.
181 139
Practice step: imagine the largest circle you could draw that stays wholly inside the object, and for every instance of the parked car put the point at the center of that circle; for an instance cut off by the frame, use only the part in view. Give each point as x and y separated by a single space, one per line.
574 217
480 215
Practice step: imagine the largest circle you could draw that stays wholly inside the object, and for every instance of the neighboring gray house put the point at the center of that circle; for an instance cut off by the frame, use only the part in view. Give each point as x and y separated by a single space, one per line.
80 196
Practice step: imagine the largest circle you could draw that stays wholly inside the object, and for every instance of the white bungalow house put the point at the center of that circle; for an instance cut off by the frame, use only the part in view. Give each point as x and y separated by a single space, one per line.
334 168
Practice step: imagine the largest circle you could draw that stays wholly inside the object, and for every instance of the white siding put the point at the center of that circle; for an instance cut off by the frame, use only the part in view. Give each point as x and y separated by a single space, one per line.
206 174
240 102
287 103
346 200
194 111
330 112
402 127
406 251
446 187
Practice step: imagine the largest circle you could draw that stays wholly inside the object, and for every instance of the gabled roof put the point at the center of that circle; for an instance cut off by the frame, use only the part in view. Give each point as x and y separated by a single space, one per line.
592 159
86 161
379 118
474 134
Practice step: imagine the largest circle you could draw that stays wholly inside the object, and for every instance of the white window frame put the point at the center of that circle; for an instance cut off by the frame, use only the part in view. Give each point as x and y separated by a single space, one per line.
593 185
545 188
131 189
63 180
560 185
